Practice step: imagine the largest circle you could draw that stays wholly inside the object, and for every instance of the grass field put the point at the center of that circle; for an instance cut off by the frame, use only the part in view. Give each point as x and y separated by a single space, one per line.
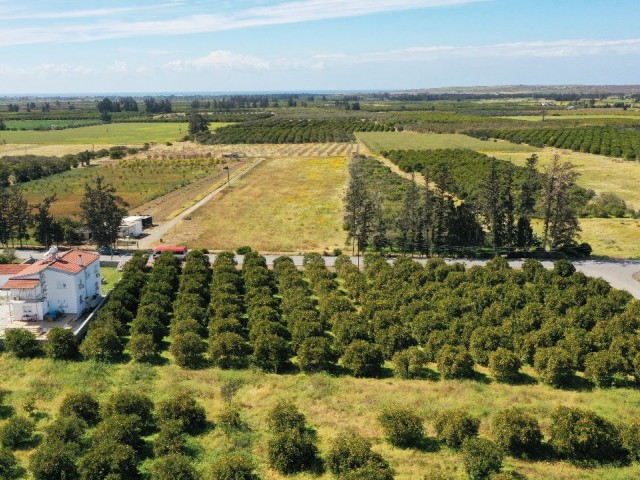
137 181
331 405
31 124
107 134
380 141
538 118
283 205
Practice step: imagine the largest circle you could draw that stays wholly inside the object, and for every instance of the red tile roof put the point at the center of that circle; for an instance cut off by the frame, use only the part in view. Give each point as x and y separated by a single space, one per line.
17 283
66 261
11 269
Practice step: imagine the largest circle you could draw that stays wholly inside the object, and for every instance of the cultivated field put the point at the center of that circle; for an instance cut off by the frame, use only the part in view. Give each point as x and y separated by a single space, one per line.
137 181
381 141
331 405
283 205
192 150
106 134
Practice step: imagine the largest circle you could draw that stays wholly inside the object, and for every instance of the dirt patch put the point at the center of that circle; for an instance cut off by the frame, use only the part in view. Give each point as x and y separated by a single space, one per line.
636 276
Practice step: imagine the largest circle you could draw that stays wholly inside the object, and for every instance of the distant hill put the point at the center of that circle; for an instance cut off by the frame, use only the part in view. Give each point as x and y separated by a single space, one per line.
529 89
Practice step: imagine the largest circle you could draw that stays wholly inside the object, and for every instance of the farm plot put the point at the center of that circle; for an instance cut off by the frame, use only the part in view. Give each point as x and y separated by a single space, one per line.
137 181
283 205
384 141
193 150
107 134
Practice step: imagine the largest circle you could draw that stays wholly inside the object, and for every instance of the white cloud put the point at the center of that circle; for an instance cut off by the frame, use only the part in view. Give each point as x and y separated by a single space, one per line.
279 14
223 59
99 12
539 49
118 67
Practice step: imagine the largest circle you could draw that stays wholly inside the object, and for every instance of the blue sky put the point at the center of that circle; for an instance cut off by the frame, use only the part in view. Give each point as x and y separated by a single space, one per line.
73 46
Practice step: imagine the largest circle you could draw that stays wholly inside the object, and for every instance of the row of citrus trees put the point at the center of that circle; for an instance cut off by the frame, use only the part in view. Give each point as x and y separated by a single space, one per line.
612 142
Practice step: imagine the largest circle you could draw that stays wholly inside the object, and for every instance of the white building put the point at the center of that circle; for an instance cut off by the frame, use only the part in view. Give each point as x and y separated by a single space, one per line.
68 283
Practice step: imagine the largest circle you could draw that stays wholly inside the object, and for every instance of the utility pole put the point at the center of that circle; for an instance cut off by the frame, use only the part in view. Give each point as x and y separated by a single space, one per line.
226 167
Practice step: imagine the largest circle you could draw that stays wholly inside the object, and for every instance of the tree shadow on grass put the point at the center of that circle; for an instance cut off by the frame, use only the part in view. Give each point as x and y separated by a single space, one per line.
428 445
480 377
520 379
577 384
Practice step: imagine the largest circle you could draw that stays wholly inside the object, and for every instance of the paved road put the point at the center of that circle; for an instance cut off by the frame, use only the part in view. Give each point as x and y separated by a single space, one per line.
156 233
619 273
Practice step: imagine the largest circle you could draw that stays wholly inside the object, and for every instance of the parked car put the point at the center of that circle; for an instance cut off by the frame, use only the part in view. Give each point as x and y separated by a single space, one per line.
108 251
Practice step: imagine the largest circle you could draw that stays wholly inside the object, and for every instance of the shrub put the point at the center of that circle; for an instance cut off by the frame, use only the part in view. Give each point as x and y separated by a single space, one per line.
170 439
554 365
187 350
291 451
150 326
230 421
61 344
504 365
600 367
66 429
283 416
631 438
454 362
9 468
409 363
102 344
17 432
183 408
401 426
233 466
271 353
517 432
143 348
173 467
454 426
363 359
481 457
123 429
351 452
109 460
21 343
52 460
128 402
82 405
315 354
578 434
564 268
228 350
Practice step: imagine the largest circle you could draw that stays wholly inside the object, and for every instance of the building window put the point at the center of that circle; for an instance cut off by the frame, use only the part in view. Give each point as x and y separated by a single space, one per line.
96 289
61 285
80 299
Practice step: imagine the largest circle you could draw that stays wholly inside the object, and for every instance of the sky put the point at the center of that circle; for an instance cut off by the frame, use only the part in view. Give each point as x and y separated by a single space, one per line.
138 46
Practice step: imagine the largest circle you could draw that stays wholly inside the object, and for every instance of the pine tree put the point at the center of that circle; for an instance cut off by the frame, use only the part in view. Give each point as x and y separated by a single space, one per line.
20 217
409 219
427 212
527 206
493 206
359 208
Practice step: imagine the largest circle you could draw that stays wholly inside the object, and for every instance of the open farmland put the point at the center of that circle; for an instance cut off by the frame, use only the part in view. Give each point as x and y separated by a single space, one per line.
283 205
384 141
106 134
137 181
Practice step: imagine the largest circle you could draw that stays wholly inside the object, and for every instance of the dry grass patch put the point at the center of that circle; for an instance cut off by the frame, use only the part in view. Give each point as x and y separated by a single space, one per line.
283 205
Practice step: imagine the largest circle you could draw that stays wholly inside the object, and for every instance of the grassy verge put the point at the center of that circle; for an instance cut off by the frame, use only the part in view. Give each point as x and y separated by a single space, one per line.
283 205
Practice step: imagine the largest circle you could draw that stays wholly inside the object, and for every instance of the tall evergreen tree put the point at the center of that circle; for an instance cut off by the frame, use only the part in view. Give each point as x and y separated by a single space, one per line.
47 230
508 206
560 219
527 205
409 220
379 239
359 208
493 207
20 218
102 211
5 217
427 211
